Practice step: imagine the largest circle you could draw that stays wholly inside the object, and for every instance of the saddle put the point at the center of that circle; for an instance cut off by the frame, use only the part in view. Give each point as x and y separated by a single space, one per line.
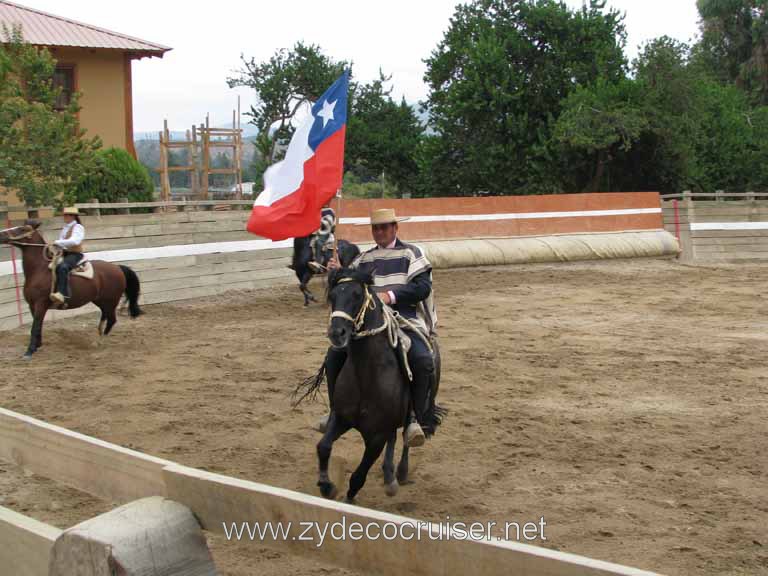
84 269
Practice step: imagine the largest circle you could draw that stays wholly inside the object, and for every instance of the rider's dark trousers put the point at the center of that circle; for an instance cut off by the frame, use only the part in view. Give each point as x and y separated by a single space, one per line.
422 366
68 262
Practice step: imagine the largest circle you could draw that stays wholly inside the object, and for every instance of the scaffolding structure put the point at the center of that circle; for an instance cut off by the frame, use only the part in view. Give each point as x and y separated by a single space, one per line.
199 143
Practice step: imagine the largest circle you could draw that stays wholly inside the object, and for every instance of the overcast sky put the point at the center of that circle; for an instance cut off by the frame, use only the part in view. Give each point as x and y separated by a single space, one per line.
208 37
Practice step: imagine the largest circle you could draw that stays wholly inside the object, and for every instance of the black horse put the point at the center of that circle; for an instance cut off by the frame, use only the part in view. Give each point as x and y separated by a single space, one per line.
303 255
372 392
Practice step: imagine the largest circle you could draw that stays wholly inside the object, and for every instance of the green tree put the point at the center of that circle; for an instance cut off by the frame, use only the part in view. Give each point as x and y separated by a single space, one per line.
497 81
118 175
601 121
734 43
43 153
382 137
671 127
282 84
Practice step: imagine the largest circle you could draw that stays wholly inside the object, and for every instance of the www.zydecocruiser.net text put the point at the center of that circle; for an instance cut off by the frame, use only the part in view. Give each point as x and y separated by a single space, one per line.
344 531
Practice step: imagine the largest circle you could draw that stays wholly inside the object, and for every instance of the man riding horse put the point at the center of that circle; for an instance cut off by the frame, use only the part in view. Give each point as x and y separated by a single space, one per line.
71 242
322 243
403 280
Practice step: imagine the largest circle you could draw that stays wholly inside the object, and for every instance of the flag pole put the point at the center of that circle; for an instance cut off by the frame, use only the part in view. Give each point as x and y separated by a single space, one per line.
338 223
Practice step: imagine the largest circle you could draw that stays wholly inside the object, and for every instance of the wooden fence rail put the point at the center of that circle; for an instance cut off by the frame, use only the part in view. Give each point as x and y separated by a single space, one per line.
95 208
121 475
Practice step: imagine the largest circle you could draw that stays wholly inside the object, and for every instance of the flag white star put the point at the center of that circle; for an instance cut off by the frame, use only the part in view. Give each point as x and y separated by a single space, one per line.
327 112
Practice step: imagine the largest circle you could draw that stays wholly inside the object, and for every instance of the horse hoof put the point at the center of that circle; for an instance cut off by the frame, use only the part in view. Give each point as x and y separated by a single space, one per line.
328 490
27 356
349 500
391 488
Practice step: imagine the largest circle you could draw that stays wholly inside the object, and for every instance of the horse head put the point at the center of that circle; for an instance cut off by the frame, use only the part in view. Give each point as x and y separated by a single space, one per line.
27 231
349 297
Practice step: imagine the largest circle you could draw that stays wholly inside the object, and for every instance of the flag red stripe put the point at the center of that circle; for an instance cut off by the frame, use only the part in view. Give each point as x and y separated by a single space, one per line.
298 214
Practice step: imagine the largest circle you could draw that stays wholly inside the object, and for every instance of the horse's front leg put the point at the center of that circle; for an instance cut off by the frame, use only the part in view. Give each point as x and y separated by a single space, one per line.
304 280
36 333
373 448
402 467
333 431
388 466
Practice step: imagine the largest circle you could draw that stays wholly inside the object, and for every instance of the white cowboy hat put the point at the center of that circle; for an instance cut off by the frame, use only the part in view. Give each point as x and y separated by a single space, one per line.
383 216
71 211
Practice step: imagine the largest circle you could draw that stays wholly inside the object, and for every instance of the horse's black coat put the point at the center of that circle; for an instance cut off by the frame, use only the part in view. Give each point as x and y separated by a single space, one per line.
372 393
303 254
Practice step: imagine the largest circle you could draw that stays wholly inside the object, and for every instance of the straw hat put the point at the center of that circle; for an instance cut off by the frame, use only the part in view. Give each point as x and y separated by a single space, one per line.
71 211
383 216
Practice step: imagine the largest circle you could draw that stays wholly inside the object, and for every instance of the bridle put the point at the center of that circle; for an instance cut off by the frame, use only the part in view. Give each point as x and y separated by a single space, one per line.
28 234
369 303
48 252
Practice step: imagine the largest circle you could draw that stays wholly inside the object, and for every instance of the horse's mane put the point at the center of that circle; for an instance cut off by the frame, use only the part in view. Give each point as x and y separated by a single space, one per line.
336 276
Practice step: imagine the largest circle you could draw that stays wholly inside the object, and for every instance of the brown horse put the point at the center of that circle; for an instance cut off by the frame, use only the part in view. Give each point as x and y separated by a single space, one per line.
109 283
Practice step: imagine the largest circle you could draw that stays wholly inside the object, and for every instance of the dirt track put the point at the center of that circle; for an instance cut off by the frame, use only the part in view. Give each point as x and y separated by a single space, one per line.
625 402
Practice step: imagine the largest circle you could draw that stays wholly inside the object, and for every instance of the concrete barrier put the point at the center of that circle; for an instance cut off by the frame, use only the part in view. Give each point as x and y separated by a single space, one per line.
149 537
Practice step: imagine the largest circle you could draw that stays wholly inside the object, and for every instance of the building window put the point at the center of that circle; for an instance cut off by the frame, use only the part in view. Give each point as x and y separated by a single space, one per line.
64 78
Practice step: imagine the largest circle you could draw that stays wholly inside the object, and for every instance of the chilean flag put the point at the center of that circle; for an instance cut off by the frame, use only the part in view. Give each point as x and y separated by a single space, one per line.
296 188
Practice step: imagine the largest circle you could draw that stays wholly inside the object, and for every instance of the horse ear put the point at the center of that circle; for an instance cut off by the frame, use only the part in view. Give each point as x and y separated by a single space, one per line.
33 223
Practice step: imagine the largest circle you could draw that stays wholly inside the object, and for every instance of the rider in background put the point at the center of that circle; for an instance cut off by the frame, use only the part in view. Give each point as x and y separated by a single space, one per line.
71 242
403 280
323 239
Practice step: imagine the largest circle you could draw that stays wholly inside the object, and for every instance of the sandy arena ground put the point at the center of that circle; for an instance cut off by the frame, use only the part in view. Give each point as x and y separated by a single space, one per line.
625 402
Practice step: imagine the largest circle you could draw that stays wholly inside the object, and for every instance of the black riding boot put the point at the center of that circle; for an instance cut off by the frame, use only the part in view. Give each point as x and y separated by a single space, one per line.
62 281
421 388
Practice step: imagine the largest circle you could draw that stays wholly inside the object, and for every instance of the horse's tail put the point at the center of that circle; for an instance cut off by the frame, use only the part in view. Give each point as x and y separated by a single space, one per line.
309 387
132 291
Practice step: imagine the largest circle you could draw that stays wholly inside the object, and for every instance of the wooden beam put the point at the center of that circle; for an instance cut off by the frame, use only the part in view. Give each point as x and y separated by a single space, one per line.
220 501
128 104
94 466
217 501
26 544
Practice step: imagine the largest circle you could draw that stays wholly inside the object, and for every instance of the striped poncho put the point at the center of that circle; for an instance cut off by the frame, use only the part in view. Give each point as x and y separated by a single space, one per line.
405 271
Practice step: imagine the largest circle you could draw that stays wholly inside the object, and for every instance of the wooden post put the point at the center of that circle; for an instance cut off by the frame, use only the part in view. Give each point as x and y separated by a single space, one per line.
193 161
96 211
687 215
206 136
719 195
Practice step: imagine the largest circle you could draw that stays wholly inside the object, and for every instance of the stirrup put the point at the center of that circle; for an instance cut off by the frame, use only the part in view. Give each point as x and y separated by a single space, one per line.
314 266
414 435
58 297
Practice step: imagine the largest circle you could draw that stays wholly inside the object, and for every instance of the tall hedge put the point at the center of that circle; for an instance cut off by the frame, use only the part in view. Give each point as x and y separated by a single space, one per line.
118 175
